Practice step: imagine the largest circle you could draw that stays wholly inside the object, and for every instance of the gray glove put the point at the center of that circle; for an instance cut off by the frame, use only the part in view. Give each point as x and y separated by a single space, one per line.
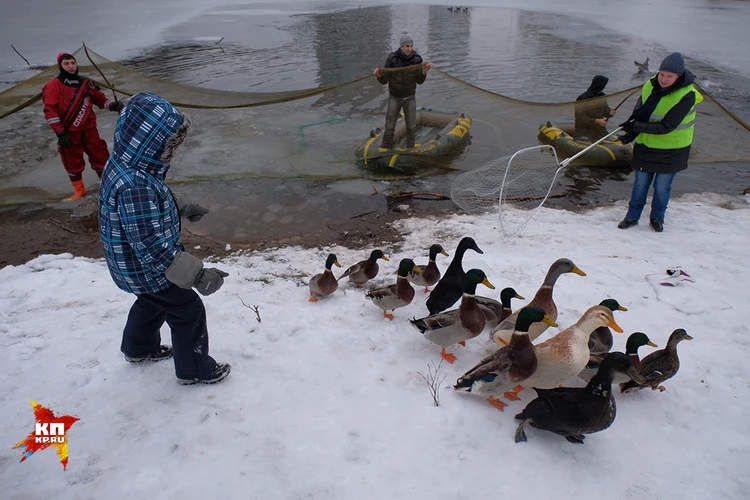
209 280
193 212
186 271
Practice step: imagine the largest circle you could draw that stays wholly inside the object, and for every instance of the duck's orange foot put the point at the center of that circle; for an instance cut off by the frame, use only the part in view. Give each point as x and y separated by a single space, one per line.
450 358
496 403
389 316
661 388
463 343
359 285
313 299
426 289
513 393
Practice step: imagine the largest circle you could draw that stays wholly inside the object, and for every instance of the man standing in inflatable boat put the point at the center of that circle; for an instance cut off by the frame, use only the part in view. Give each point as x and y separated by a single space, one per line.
402 86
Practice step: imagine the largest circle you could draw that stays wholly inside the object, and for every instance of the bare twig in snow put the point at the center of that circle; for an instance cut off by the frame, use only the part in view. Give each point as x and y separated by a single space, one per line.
434 380
255 309
374 189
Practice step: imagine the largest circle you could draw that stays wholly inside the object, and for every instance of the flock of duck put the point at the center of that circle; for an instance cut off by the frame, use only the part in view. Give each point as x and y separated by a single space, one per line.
582 349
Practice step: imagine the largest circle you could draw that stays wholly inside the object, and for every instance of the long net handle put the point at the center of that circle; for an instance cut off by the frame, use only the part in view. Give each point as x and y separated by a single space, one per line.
567 161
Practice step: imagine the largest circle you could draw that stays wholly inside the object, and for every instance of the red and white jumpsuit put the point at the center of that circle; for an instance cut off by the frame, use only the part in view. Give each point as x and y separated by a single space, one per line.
68 109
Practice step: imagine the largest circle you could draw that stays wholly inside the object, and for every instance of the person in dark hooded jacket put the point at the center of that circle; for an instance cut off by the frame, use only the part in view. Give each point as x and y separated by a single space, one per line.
591 117
139 225
662 126
402 87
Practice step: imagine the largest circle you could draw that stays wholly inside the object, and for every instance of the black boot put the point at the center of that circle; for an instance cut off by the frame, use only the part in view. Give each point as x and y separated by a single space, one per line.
626 223
657 225
219 373
160 353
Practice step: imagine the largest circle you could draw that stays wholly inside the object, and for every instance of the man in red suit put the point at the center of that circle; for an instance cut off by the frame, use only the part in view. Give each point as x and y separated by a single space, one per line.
68 102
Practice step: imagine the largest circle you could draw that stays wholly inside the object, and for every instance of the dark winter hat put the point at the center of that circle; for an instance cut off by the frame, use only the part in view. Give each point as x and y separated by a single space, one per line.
405 39
673 63
63 55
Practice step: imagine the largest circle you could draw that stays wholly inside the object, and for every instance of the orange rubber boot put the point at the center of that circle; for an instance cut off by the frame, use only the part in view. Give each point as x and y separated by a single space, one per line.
80 191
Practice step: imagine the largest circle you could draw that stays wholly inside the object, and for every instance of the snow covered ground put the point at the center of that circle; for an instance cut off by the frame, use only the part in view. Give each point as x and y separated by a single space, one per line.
325 400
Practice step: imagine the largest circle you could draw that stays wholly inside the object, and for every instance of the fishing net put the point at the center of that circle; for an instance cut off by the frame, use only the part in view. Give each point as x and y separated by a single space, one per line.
523 180
314 132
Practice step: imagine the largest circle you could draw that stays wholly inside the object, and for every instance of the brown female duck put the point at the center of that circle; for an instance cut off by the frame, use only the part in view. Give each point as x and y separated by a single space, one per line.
365 270
660 365
543 298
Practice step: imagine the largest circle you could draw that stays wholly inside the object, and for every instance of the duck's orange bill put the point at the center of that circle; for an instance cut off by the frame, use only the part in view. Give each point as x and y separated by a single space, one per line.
614 326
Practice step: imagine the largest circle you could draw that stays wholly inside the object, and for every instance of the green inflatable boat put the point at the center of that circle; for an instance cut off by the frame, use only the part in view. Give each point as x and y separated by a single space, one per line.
441 135
609 153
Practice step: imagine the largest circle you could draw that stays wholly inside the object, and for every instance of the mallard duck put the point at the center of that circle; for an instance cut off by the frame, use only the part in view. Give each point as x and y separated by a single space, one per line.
509 365
450 287
398 295
324 284
459 325
494 311
575 411
634 342
430 273
566 354
365 270
660 365
543 298
601 341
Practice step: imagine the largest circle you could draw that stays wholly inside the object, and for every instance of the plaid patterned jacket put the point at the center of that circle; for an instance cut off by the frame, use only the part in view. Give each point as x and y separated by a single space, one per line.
139 221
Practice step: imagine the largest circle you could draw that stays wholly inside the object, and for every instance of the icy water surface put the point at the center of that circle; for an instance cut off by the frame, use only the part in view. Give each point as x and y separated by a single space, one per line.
280 168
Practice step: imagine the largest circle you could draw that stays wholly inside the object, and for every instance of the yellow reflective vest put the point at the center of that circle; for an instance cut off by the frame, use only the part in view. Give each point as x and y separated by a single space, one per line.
682 135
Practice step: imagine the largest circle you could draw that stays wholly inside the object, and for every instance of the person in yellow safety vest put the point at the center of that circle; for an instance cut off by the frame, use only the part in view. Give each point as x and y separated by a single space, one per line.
662 126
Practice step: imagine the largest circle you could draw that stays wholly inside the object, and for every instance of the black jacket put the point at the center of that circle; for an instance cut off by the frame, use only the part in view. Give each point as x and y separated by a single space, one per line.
402 83
664 161
586 113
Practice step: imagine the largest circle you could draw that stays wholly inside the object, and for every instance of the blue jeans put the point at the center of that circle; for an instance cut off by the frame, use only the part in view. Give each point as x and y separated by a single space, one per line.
662 190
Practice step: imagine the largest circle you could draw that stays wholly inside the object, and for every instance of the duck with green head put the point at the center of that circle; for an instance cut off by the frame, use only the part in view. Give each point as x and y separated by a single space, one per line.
601 340
508 366
635 341
543 298
430 273
458 325
324 284
495 312
397 295
364 270
660 365
574 411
